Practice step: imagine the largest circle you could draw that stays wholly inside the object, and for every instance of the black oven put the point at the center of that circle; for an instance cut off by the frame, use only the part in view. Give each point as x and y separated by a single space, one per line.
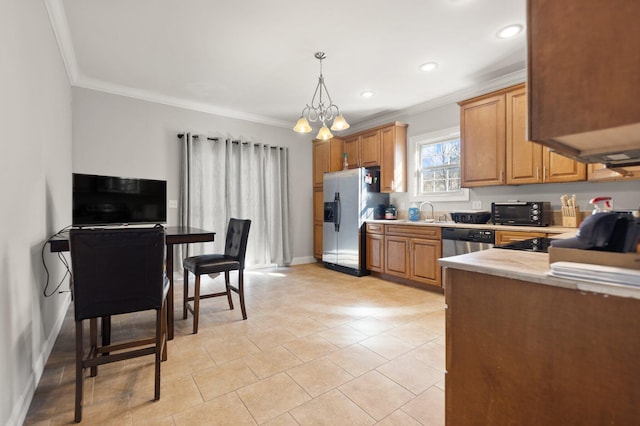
526 213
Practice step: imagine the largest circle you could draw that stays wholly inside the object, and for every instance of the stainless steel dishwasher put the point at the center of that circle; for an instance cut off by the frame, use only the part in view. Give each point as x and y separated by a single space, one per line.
457 241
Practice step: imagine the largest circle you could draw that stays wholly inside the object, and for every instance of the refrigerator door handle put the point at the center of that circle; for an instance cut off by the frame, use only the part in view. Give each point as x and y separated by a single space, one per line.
338 211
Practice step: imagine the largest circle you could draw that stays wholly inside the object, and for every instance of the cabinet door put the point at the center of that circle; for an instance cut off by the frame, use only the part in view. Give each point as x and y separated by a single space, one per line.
370 149
558 168
506 237
482 128
375 252
318 217
424 261
393 160
396 256
598 172
317 241
524 158
352 148
321 160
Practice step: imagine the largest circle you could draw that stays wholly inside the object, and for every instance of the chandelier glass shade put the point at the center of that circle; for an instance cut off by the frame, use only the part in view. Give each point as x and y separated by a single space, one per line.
320 112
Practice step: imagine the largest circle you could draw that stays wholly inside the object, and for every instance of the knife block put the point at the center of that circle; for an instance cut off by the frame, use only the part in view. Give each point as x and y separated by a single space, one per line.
570 217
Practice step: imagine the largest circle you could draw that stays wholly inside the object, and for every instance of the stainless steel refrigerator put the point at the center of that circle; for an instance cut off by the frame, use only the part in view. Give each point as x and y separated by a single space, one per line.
350 198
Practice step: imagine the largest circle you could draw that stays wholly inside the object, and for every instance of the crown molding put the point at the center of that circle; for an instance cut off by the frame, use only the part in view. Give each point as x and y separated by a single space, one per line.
58 19
150 96
57 16
498 83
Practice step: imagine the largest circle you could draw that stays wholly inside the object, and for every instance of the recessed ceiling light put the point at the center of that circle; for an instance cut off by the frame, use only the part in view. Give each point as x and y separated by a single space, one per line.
510 31
366 94
429 66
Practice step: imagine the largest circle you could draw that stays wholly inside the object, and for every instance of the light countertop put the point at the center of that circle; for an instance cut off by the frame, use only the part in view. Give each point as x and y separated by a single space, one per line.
532 267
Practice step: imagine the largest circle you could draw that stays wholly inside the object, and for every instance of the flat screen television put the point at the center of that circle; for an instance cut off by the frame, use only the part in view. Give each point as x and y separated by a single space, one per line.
110 200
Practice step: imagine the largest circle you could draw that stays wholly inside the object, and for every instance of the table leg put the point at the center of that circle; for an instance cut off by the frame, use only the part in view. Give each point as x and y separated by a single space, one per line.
170 294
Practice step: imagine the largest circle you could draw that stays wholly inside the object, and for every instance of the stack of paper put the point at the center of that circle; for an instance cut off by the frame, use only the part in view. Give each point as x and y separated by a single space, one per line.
595 273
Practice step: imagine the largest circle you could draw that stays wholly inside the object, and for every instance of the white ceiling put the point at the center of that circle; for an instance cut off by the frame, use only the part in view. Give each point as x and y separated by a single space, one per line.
255 59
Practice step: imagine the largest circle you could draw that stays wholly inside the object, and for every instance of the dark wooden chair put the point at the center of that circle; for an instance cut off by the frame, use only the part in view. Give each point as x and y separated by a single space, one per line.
117 271
232 260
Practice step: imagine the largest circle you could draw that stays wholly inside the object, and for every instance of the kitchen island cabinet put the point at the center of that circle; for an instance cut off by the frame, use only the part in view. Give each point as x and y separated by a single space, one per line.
528 349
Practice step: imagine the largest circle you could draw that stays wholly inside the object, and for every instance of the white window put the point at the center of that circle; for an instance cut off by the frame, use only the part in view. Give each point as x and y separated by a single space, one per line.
438 174
439 166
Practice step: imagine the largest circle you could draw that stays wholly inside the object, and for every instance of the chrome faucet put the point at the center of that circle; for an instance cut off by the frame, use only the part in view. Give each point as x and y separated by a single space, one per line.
432 212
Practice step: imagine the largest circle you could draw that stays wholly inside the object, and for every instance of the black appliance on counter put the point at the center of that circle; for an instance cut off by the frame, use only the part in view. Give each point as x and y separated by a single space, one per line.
471 216
526 213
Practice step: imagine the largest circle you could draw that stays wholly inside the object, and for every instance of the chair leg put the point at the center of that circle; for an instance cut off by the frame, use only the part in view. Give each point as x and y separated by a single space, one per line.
196 304
158 346
185 295
79 372
227 283
165 328
93 346
241 293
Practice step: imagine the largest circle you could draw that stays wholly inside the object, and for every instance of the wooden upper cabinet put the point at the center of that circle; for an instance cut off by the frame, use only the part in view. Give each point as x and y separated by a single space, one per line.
495 149
393 158
599 173
352 149
327 157
583 67
558 168
524 158
370 149
363 149
482 132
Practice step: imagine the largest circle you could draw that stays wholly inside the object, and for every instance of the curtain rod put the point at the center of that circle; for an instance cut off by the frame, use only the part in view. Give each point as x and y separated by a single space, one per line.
181 136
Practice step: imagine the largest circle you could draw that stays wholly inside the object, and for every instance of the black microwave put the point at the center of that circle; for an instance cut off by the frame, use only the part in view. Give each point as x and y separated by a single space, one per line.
526 213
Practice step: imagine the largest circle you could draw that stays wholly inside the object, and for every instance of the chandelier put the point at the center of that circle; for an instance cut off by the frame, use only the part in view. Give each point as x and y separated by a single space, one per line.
317 111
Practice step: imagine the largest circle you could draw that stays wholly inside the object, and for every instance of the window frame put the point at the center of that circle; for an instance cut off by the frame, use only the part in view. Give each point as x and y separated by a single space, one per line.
430 138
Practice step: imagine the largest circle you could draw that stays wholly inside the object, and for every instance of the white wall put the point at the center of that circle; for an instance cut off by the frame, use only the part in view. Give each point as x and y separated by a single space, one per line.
116 135
35 188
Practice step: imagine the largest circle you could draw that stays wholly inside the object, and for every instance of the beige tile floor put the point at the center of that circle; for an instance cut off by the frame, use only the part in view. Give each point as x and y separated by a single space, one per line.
319 348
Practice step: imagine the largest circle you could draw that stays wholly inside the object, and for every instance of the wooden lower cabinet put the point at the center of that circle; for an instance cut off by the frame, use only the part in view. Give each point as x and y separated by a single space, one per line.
522 353
396 256
375 252
424 261
317 241
407 252
506 237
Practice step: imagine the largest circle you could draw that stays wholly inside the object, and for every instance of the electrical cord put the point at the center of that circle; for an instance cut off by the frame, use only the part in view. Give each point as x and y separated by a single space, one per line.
62 259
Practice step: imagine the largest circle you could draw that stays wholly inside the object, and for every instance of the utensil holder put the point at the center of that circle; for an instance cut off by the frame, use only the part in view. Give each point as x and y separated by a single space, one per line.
570 217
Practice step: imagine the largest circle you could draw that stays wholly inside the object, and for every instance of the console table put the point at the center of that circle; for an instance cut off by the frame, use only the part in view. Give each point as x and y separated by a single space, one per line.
174 235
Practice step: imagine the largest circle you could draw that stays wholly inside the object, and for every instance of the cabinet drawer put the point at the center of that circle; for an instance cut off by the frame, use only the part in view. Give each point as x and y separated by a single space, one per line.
506 237
375 228
426 232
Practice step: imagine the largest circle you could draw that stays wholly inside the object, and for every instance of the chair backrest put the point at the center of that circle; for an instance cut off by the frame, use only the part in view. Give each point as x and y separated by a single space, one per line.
236 243
117 271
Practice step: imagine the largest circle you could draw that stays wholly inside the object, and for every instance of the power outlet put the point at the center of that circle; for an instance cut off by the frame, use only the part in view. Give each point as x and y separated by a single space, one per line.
476 205
173 204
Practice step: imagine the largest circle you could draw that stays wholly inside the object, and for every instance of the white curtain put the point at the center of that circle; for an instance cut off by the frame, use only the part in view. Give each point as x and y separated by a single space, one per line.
222 179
